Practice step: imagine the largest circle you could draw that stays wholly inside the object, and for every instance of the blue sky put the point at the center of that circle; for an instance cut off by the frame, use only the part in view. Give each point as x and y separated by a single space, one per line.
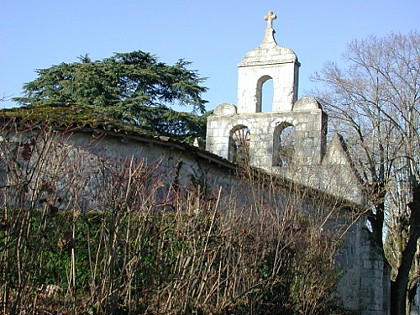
213 35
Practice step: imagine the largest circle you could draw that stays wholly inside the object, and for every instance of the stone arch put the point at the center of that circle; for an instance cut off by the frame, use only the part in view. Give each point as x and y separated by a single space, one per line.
284 139
239 138
261 93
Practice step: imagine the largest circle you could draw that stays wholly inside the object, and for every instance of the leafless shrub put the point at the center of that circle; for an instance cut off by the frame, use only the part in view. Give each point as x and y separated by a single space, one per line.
128 239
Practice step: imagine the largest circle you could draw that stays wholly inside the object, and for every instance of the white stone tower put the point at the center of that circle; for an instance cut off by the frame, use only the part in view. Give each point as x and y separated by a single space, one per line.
292 134
268 61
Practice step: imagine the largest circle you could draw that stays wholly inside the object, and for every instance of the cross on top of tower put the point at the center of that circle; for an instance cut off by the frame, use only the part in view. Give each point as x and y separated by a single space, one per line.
269 18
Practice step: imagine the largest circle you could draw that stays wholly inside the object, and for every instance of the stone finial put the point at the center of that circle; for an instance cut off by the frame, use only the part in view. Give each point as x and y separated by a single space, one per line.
270 17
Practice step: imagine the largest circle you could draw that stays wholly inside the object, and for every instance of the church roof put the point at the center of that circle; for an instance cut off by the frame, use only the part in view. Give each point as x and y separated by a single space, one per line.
66 115
76 118
63 115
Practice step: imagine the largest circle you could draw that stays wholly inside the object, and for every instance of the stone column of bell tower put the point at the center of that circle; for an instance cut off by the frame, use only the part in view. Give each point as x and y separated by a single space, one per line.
268 61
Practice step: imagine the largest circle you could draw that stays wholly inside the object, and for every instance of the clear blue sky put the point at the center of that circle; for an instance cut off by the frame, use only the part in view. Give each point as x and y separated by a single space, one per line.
213 35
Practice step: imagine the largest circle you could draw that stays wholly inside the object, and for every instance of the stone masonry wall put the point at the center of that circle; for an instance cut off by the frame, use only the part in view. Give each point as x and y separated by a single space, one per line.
361 287
308 133
365 281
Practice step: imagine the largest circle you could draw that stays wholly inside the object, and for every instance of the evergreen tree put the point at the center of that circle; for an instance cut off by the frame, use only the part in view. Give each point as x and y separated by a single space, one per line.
134 88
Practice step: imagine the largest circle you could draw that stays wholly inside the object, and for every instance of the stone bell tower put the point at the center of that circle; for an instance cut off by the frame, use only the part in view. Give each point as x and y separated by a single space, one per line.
290 142
293 133
268 61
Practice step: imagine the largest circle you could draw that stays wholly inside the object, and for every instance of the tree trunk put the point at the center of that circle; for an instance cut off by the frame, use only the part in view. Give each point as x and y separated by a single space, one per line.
399 287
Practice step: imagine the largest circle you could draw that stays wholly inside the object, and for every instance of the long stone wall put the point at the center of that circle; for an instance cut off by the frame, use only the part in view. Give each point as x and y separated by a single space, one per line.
89 152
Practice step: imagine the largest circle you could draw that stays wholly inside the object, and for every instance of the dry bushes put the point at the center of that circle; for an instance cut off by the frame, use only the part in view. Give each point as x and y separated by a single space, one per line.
118 237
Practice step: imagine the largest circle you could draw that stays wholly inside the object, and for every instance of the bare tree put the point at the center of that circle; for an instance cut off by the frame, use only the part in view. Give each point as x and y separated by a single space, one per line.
374 100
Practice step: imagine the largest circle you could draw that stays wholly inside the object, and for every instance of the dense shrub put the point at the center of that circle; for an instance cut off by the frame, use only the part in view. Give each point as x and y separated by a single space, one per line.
190 252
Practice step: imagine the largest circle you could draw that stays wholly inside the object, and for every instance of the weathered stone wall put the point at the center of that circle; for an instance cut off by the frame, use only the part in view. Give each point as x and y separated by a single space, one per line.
365 282
334 174
309 134
79 158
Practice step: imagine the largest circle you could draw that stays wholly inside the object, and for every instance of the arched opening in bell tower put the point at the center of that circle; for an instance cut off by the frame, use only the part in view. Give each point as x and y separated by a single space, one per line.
284 139
264 95
239 144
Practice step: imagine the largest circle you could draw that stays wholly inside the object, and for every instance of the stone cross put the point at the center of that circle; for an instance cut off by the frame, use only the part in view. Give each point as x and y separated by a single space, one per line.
269 18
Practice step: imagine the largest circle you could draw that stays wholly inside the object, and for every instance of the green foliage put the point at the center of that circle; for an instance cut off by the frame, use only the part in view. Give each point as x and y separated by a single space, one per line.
133 88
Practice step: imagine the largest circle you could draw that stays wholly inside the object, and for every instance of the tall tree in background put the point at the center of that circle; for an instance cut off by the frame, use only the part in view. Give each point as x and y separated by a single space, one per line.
132 87
374 101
